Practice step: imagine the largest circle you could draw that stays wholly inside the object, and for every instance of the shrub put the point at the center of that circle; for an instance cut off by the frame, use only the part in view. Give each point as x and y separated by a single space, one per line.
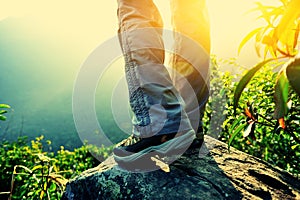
26 172
265 138
269 95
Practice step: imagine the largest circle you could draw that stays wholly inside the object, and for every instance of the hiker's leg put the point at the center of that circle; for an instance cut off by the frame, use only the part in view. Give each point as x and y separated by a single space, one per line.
156 104
191 58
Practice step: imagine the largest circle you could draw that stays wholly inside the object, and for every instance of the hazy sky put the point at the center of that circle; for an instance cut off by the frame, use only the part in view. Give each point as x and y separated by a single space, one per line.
86 24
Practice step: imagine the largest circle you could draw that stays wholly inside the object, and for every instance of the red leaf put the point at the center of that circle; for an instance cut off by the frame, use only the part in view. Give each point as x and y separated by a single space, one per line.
282 123
249 114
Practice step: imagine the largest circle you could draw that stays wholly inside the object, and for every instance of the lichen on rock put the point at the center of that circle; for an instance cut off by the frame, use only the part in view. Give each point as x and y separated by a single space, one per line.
218 175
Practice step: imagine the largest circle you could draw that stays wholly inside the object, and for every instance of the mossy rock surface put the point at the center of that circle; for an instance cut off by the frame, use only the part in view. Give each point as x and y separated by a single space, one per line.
214 173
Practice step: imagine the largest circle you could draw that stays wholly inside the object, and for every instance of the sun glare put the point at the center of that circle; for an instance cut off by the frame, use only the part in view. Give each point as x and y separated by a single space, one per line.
89 23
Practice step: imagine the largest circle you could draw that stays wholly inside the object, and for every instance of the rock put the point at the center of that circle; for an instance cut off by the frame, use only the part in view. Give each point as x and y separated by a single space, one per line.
213 173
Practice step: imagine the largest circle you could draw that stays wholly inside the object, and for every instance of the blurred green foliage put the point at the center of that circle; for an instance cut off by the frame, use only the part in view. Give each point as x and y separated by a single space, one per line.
3 110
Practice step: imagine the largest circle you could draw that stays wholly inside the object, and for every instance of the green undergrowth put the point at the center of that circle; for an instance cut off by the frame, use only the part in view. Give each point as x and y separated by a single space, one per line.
253 128
28 172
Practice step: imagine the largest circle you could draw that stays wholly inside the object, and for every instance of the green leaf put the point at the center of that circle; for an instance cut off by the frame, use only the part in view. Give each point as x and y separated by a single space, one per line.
245 80
43 158
295 146
37 167
29 194
293 74
236 131
281 95
22 194
4 106
52 187
247 38
2 118
235 123
3 112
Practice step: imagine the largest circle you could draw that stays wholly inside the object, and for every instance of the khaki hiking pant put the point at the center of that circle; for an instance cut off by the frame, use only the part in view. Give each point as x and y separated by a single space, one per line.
165 102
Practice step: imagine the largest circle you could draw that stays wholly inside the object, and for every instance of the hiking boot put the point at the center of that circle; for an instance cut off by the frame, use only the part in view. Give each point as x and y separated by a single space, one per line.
161 145
198 141
142 144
